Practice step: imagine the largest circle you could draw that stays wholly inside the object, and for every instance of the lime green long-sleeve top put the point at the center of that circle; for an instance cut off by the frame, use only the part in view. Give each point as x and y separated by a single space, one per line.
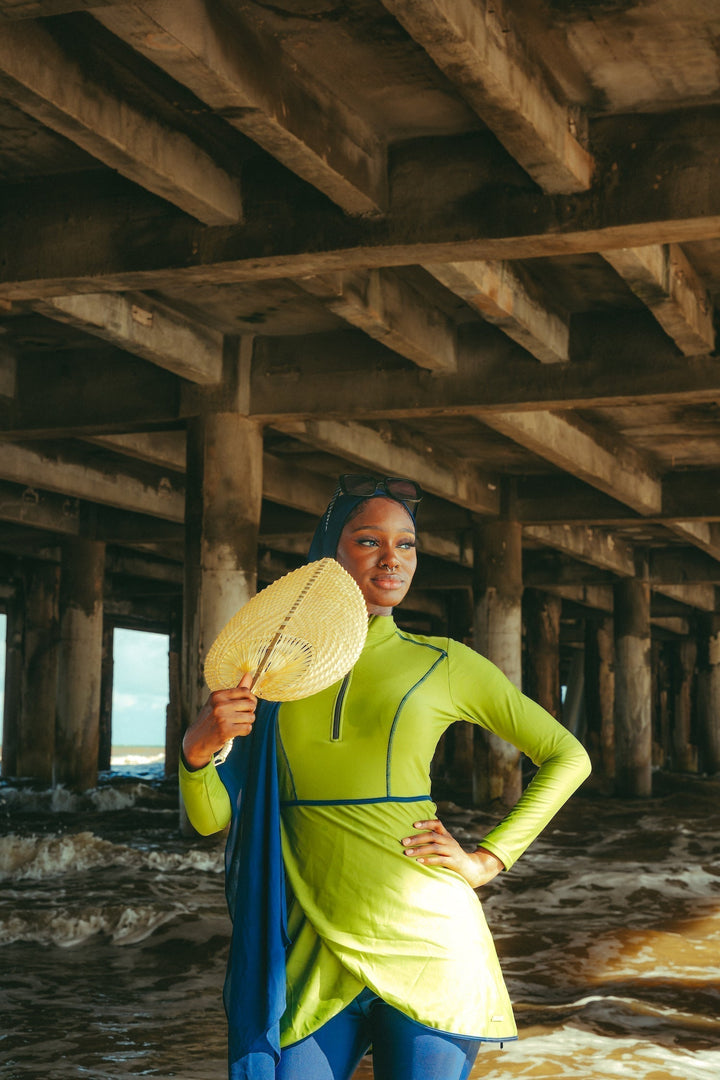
354 766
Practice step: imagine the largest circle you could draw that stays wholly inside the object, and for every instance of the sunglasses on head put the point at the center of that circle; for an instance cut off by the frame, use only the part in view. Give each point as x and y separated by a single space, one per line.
397 487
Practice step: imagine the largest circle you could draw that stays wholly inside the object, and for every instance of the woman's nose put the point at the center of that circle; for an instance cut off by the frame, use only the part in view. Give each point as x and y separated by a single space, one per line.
390 560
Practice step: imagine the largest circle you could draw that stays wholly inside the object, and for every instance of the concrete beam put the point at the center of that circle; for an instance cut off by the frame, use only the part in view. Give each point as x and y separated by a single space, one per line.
598 597
386 308
701 597
144 328
671 624
450 202
245 77
610 465
493 375
117 392
501 79
39 9
132 564
165 449
702 534
662 276
505 297
387 453
39 509
29 466
601 549
42 80
687 498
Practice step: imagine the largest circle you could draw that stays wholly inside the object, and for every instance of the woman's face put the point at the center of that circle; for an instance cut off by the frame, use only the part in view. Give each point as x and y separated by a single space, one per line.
377 547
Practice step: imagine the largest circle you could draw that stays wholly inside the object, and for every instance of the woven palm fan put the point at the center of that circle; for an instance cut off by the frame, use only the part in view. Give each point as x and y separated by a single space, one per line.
296 637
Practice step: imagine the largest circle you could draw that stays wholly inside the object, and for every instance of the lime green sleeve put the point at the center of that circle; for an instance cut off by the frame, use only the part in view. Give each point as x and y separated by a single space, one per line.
483 695
205 797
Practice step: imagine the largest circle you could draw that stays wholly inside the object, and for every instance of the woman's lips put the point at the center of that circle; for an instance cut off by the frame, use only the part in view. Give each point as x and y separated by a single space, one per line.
387 581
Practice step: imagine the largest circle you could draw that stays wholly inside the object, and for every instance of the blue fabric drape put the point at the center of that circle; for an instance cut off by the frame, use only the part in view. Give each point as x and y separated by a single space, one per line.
254 992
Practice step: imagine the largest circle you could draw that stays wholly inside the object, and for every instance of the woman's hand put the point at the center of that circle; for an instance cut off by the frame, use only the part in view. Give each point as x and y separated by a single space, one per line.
225 714
435 845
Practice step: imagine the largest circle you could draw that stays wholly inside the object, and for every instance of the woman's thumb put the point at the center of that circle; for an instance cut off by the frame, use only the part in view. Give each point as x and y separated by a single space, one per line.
246 681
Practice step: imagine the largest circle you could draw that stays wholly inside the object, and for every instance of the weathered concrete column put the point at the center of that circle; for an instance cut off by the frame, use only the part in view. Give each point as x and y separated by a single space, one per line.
660 704
13 682
709 694
173 713
498 588
223 501
36 737
106 696
684 753
600 695
542 637
633 689
77 734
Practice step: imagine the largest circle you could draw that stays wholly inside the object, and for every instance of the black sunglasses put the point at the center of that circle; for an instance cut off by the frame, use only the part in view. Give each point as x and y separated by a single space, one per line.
397 487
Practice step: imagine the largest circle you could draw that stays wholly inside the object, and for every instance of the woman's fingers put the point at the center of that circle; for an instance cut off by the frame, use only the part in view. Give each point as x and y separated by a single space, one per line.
435 846
434 839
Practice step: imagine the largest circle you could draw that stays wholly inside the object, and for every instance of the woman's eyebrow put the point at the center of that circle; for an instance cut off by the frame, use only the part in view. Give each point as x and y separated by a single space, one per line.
380 528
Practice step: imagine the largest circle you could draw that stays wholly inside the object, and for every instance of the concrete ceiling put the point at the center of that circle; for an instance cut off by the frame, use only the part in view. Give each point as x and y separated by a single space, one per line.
479 242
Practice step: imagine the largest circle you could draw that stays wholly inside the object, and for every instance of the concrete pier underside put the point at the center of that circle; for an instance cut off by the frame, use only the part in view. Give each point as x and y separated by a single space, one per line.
249 247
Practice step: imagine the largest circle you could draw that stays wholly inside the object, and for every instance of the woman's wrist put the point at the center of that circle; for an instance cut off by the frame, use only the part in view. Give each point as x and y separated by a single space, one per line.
486 866
194 755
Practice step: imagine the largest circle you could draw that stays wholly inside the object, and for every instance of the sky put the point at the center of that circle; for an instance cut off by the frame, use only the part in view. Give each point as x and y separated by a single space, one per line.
140 686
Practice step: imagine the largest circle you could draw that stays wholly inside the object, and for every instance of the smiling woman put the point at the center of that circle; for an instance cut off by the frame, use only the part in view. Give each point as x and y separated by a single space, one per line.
388 944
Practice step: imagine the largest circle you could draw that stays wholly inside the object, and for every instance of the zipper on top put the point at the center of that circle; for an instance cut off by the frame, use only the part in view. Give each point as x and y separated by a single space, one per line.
337 711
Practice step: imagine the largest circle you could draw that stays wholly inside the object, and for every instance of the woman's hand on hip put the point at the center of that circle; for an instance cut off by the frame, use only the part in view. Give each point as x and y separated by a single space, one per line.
434 845
225 714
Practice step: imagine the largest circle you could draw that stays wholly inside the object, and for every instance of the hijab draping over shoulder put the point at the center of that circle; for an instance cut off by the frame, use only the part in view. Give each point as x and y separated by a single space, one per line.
254 993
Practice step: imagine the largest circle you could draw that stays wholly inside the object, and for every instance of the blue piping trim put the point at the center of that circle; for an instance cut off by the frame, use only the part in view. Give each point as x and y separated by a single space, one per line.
356 802
412 690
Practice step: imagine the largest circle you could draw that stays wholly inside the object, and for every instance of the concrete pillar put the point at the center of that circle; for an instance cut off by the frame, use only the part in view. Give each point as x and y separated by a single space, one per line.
106 695
173 713
633 689
223 501
36 737
684 753
77 734
13 682
574 704
660 705
497 588
709 694
600 695
542 640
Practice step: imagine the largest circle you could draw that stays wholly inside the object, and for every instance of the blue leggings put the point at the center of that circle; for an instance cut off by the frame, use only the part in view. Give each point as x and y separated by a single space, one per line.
402 1048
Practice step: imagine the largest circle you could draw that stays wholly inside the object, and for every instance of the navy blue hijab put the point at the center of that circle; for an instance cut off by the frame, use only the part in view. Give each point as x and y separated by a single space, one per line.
254 992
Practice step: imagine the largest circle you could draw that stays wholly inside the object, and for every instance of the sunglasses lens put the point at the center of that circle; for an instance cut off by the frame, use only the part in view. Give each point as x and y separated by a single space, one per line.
401 488
358 484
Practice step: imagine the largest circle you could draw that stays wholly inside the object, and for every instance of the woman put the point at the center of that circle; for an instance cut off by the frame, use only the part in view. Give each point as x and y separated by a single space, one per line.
387 941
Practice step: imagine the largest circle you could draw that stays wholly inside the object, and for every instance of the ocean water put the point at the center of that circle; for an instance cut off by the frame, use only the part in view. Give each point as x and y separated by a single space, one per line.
113 936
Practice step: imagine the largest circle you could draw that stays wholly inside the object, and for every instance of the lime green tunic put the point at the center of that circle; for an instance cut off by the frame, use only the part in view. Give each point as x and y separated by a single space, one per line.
354 777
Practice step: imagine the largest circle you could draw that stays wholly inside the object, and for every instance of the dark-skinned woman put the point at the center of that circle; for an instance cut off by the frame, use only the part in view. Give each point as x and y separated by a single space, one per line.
386 942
